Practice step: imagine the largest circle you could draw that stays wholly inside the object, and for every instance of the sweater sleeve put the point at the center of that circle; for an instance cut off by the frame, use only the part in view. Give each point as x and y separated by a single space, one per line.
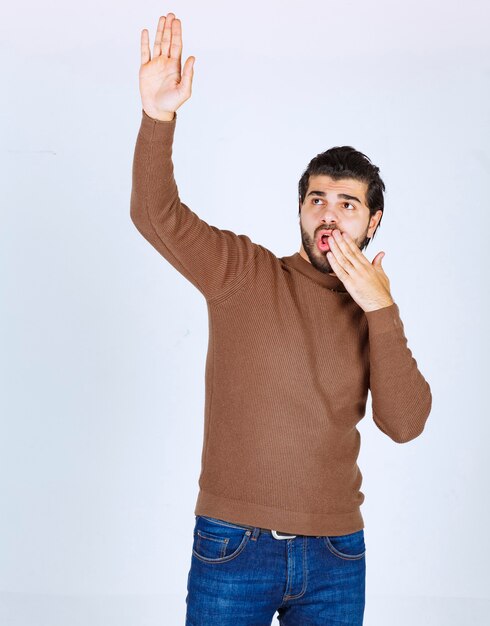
401 397
210 258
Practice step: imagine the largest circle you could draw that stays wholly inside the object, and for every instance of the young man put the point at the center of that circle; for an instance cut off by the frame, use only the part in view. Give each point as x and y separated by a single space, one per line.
295 344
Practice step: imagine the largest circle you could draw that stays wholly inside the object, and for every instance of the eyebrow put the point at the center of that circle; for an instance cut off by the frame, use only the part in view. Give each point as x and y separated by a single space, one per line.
340 195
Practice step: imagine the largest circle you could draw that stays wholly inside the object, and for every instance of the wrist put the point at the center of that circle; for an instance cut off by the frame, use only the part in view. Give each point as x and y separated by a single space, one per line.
380 305
160 116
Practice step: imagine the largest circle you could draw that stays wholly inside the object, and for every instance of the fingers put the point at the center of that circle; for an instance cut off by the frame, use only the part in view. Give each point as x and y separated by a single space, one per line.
168 39
170 43
158 37
346 250
338 261
352 245
337 267
167 35
145 48
176 44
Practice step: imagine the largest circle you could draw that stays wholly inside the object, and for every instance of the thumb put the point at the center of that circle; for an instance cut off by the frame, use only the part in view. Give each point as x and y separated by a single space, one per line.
187 75
377 260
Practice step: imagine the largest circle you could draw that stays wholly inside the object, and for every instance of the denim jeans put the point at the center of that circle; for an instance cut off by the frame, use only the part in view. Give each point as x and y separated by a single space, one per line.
241 575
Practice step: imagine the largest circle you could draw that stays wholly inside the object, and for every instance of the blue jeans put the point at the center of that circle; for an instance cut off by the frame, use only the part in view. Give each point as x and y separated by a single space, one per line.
241 575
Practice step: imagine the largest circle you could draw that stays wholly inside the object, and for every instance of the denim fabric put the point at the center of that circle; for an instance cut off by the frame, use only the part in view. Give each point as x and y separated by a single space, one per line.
241 575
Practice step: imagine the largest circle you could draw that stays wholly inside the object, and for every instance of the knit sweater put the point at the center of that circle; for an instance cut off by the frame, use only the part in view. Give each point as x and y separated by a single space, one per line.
291 357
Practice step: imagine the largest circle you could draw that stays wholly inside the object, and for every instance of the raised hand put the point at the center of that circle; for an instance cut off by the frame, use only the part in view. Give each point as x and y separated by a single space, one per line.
163 87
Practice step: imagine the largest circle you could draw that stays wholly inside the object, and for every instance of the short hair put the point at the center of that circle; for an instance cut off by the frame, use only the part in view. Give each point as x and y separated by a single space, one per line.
346 162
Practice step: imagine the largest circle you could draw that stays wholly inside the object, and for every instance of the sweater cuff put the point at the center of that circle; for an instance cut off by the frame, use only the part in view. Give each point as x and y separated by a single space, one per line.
159 130
384 320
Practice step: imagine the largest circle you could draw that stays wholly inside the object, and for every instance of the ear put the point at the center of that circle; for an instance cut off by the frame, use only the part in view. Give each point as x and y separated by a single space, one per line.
373 222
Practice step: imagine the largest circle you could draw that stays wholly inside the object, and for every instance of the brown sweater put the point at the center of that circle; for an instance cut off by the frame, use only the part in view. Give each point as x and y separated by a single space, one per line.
291 357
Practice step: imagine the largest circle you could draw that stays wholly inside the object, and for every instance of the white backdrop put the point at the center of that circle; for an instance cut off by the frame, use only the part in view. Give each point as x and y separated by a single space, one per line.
103 343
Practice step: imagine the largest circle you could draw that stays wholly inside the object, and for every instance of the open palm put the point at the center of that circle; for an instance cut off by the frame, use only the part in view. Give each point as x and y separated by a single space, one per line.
163 86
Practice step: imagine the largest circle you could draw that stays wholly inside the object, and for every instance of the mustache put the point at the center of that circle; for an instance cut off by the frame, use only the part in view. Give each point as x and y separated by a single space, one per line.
320 228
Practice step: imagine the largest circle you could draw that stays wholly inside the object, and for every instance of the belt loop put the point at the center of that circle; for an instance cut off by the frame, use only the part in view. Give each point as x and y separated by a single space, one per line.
255 533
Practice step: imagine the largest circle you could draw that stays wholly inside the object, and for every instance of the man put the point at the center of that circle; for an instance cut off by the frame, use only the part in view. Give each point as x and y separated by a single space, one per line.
295 344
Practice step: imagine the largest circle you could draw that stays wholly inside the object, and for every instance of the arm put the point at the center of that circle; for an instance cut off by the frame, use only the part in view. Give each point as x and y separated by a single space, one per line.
212 259
401 397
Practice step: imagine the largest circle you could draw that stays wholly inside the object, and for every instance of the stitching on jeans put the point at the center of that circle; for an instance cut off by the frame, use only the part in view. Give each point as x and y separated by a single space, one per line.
225 559
223 542
305 579
339 554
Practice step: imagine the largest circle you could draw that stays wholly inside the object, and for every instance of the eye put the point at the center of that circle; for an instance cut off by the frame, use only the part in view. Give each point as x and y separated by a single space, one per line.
344 203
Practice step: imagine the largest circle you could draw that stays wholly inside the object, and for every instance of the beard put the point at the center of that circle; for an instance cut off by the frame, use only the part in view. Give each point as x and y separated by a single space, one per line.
319 259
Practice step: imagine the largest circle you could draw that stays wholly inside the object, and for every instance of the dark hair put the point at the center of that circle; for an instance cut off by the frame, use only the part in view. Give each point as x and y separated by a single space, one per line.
346 162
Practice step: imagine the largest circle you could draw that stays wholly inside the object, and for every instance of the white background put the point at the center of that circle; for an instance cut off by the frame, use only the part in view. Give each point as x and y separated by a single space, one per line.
103 343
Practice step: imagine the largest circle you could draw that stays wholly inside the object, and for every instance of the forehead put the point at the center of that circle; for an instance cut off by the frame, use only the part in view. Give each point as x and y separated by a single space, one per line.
327 184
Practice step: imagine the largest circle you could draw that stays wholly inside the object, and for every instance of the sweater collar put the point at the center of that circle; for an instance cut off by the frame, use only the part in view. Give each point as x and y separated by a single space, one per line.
297 262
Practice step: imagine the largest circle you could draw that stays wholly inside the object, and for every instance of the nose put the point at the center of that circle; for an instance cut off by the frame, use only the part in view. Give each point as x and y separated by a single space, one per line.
330 216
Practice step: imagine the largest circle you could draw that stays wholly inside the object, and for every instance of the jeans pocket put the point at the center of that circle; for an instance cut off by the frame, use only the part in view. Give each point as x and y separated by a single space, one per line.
217 541
348 547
